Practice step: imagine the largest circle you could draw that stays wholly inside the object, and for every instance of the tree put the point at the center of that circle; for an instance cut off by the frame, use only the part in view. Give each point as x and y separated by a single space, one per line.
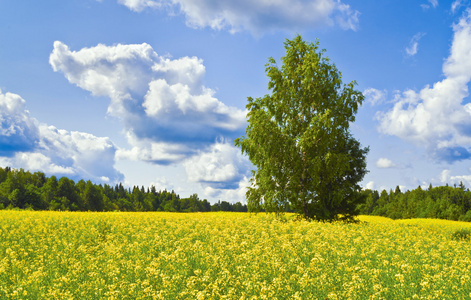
93 197
299 141
49 189
32 197
205 205
225 206
66 188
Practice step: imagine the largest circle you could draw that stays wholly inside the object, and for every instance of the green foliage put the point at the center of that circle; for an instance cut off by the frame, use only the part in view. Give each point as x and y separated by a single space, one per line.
299 141
442 202
21 189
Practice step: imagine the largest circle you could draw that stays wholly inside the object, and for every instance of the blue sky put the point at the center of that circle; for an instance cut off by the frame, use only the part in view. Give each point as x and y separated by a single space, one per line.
153 92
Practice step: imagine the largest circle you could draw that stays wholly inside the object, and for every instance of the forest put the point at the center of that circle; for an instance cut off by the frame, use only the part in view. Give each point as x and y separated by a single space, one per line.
25 190
441 202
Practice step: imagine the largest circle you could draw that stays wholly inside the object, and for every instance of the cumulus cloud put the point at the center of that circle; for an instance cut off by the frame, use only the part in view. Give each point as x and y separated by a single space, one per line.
370 185
161 183
257 16
413 47
465 179
166 110
89 156
118 72
385 163
200 116
234 195
39 162
154 152
446 177
26 143
436 117
18 131
220 167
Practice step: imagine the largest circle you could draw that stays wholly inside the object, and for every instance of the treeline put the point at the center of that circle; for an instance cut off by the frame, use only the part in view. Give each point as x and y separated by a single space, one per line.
26 190
441 202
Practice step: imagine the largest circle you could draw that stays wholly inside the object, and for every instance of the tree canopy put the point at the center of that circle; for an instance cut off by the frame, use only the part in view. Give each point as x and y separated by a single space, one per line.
298 138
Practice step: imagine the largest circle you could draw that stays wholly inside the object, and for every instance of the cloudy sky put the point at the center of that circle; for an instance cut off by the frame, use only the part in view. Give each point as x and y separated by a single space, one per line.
153 92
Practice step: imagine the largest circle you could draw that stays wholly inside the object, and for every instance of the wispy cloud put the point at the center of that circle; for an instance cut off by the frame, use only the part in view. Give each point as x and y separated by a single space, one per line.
140 5
431 3
413 47
458 4
434 3
374 96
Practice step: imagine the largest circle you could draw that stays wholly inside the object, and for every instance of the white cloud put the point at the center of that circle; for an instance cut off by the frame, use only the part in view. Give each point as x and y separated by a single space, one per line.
37 162
169 102
230 195
18 131
433 3
155 152
257 16
221 166
168 114
117 72
140 5
413 47
38 147
347 17
456 5
435 117
374 96
89 156
385 163
466 179
161 183
446 177
370 185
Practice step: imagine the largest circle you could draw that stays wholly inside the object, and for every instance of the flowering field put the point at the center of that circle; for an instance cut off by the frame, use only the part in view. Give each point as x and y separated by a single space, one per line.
65 255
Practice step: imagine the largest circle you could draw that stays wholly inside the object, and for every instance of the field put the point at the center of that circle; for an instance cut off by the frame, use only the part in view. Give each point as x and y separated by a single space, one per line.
65 255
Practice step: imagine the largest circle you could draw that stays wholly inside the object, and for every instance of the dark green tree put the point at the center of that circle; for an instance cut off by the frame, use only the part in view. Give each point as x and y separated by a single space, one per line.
49 189
16 198
298 138
216 206
205 205
138 199
32 197
66 188
92 197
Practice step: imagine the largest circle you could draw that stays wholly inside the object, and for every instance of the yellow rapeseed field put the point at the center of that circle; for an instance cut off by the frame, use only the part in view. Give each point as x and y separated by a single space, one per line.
76 255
